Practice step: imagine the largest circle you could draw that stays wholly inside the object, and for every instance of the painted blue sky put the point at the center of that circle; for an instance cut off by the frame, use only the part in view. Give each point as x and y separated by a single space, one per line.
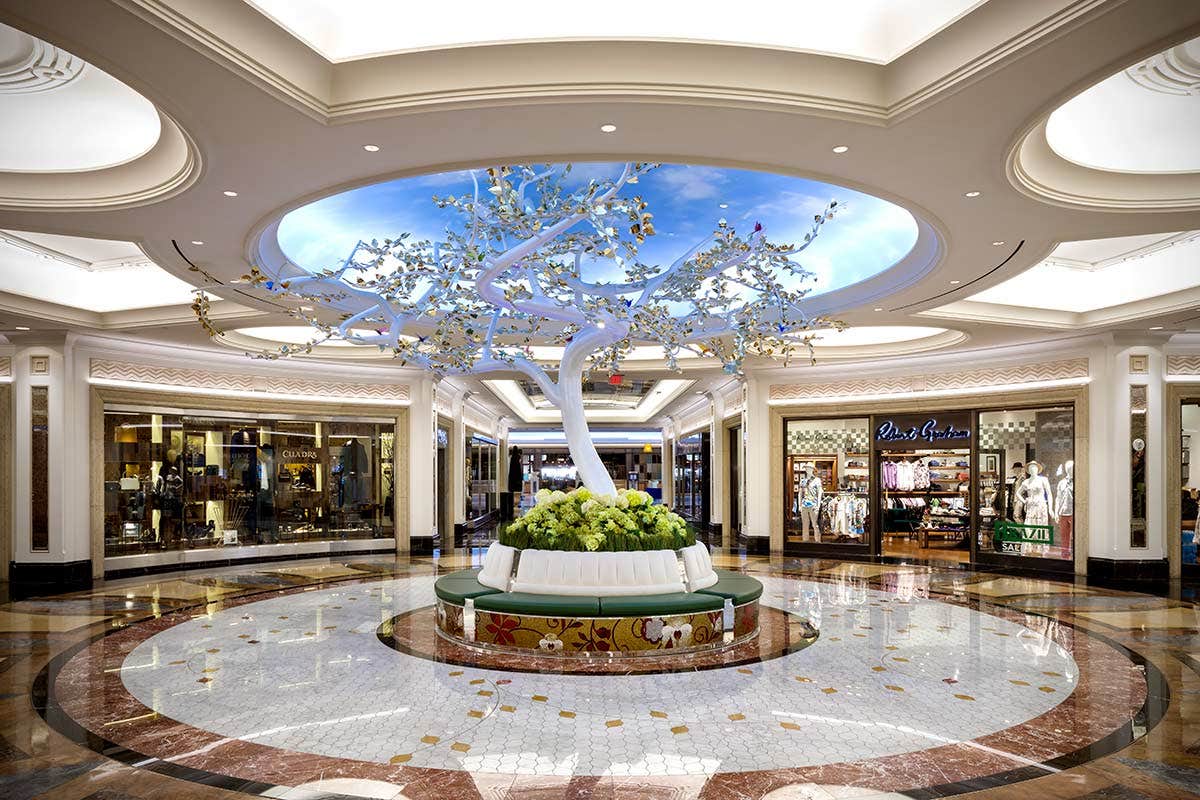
866 237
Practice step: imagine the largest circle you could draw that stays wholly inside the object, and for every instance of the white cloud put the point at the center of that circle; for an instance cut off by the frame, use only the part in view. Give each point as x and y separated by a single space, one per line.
691 183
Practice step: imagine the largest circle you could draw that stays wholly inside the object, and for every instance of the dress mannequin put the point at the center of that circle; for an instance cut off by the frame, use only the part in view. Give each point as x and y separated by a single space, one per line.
1035 495
811 492
1064 503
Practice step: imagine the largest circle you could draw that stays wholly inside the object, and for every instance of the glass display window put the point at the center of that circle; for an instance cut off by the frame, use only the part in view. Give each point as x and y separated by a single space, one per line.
691 477
180 480
1189 494
827 481
1026 487
483 456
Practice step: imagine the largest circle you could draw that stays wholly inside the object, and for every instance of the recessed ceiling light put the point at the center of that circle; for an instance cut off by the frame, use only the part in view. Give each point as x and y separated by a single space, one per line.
997 244
879 308
955 283
1157 328
229 193
600 324
724 205
972 193
22 327
608 127
841 148
197 242
371 148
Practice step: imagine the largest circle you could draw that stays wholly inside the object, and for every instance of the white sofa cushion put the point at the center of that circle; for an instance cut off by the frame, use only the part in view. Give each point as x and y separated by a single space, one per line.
599 574
698 563
497 566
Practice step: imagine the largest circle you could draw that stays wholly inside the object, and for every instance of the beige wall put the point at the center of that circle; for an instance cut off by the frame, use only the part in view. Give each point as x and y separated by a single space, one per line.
1076 395
101 395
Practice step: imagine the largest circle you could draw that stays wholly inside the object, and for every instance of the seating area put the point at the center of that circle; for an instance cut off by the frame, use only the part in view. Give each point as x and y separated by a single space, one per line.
721 614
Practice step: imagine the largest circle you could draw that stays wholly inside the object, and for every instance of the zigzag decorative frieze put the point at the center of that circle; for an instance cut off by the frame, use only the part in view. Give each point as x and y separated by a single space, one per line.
5 367
237 382
1002 376
1026 373
842 389
1183 365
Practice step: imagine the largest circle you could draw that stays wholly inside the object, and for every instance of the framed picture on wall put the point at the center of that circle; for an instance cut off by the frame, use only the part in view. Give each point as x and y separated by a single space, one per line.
991 463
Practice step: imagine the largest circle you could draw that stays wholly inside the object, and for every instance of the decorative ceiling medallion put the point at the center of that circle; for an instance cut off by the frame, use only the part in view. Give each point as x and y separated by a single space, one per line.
30 65
1175 71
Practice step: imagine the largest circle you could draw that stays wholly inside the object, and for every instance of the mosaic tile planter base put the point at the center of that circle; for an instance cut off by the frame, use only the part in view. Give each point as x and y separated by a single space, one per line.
591 636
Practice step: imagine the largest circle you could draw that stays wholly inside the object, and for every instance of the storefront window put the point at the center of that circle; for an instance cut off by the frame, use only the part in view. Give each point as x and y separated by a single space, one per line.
1190 487
827 481
1027 482
482 470
691 477
177 481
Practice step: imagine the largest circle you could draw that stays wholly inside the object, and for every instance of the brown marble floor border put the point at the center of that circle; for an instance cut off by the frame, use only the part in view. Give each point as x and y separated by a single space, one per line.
909 773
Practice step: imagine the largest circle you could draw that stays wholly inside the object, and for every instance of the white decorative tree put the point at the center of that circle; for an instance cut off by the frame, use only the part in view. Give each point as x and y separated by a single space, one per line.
508 274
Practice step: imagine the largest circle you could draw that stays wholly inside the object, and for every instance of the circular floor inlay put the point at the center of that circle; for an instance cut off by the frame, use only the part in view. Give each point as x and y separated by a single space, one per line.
298 687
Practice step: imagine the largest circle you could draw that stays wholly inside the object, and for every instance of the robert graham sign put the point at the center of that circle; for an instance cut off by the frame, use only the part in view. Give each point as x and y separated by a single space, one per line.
950 431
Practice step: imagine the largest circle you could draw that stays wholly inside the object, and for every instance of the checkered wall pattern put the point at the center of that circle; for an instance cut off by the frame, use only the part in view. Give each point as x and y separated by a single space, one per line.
1007 435
824 442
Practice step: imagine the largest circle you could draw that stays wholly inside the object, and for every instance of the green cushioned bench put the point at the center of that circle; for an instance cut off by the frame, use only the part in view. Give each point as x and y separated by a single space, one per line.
540 605
458 587
647 605
735 586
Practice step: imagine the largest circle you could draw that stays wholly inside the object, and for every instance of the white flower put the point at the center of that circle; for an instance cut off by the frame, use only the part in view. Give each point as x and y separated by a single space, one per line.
557 496
550 643
655 629
588 505
606 499
622 502
543 496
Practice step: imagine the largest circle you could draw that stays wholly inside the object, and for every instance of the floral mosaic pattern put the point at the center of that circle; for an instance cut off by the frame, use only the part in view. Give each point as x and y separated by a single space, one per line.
599 634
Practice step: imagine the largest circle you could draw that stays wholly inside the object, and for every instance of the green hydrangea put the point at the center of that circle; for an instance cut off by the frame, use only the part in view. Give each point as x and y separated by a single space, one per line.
582 521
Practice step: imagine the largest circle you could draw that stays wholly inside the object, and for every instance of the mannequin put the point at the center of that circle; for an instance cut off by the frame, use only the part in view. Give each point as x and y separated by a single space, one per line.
811 492
168 491
1064 503
1035 495
1016 475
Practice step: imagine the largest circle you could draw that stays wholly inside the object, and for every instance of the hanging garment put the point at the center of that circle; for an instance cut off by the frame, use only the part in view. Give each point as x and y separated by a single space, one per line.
354 468
1037 500
920 475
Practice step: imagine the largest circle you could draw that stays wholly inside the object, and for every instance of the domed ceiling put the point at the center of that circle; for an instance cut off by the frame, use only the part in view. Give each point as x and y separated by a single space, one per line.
867 236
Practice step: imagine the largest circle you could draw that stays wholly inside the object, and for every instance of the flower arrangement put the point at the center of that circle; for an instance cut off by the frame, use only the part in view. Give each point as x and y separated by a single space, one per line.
580 520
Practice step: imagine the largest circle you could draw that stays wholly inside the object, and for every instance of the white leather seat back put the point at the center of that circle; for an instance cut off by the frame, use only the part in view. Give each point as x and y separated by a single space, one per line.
497 566
599 574
698 563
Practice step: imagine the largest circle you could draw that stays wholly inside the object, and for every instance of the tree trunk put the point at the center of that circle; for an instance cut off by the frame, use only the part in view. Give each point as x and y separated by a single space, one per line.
579 439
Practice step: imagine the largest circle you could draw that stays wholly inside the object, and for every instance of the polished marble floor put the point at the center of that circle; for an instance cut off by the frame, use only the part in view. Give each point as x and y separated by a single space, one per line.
317 679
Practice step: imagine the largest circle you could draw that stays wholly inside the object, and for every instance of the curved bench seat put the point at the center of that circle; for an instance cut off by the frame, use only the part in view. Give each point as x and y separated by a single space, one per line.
734 586
721 615
540 605
458 587
656 605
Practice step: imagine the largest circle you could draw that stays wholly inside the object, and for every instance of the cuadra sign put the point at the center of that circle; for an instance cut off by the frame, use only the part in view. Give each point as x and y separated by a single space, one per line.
300 455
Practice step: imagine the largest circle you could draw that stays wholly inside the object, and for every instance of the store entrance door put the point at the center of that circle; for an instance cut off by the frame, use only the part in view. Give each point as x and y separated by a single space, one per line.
925 504
922 473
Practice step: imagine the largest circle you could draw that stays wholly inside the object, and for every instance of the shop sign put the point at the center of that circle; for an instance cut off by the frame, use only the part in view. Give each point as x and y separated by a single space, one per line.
293 454
1018 539
923 431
